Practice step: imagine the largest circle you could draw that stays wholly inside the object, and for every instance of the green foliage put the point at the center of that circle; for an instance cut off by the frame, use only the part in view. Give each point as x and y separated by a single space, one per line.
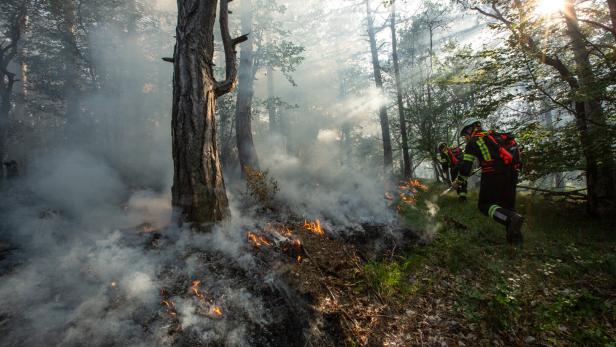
559 289
549 150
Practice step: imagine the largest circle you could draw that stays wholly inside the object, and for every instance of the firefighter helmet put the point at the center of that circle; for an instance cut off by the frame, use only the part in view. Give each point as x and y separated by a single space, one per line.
469 122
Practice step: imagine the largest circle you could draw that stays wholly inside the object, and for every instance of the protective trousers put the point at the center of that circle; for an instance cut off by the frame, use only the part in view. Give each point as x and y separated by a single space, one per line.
455 170
497 195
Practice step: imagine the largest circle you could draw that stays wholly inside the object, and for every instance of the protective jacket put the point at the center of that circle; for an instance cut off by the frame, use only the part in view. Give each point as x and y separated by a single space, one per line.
496 153
450 157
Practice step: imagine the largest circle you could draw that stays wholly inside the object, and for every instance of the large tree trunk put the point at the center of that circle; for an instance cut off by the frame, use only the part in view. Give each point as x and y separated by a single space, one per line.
7 79
67 23
271 108
243 110
406 159
387 152
600 174
198 191
612 6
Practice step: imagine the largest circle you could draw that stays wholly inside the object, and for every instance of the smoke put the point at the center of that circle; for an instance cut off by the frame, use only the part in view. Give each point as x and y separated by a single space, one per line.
85 272
95 255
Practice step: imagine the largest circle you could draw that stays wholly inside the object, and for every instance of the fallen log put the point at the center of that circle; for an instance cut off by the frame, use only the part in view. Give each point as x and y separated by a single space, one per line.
569 194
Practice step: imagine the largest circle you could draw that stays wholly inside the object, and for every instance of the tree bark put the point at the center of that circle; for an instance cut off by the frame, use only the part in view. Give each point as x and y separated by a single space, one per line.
612 6
67 24
600 175
7 78
271 108
406 159
198 192
243 110
387 151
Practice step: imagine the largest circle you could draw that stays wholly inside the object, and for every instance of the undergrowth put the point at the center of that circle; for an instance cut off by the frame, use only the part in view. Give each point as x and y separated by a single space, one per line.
559 289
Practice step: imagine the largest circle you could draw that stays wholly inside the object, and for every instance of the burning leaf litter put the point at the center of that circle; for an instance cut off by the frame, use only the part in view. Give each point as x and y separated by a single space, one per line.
315 227
257 240
195 290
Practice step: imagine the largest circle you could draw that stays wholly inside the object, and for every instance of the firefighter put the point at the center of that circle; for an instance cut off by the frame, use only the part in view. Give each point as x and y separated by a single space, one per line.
499 159
450 160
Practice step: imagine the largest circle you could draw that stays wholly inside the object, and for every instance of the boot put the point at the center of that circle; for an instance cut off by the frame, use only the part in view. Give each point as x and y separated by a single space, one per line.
512 221
514 230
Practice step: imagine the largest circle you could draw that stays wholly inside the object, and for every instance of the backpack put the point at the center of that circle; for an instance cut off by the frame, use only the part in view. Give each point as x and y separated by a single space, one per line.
458 153
508 148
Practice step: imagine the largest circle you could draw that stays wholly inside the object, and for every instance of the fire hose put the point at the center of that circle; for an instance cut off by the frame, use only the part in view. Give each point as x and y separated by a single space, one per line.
451 186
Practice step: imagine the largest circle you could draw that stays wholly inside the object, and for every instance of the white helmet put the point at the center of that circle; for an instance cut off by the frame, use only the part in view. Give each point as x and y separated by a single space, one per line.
469 122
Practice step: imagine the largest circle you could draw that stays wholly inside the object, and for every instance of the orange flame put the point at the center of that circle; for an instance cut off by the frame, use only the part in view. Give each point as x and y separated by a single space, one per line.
217 311
416 184
299 259
315 227
170 307
257 240
195 289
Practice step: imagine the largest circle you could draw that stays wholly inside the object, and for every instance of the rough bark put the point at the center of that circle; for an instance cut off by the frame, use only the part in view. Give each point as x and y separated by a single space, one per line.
243 111
406 159
600 175
198 192
387 151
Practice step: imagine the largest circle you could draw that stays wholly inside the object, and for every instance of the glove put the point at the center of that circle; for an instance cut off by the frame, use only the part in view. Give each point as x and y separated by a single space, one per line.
456 184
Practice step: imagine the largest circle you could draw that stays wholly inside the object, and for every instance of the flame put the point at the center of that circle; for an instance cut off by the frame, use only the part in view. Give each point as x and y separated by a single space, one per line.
416 184
315 227
195 289
170 307
299 259
217 311
257 240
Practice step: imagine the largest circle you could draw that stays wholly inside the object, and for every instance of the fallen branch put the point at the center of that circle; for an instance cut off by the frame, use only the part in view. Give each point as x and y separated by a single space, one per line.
571 194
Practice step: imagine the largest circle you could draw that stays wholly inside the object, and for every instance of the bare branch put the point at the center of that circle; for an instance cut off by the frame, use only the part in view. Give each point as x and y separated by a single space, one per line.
168 60
229 44
599 25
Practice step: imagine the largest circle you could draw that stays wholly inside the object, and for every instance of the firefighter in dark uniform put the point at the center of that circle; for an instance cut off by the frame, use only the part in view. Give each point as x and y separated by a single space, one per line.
450 160
499 175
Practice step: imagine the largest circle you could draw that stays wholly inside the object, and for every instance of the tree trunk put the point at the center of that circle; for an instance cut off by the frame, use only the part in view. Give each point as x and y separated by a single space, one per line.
600 174
198 191
271 109
243 110
387 151
406 159
7 79
612 6
67 22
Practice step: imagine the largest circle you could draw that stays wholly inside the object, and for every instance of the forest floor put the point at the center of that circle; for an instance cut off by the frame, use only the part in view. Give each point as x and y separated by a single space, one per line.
446 277
467 286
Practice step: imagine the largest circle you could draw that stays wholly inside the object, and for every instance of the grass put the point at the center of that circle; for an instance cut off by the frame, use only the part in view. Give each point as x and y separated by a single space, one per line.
559 289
